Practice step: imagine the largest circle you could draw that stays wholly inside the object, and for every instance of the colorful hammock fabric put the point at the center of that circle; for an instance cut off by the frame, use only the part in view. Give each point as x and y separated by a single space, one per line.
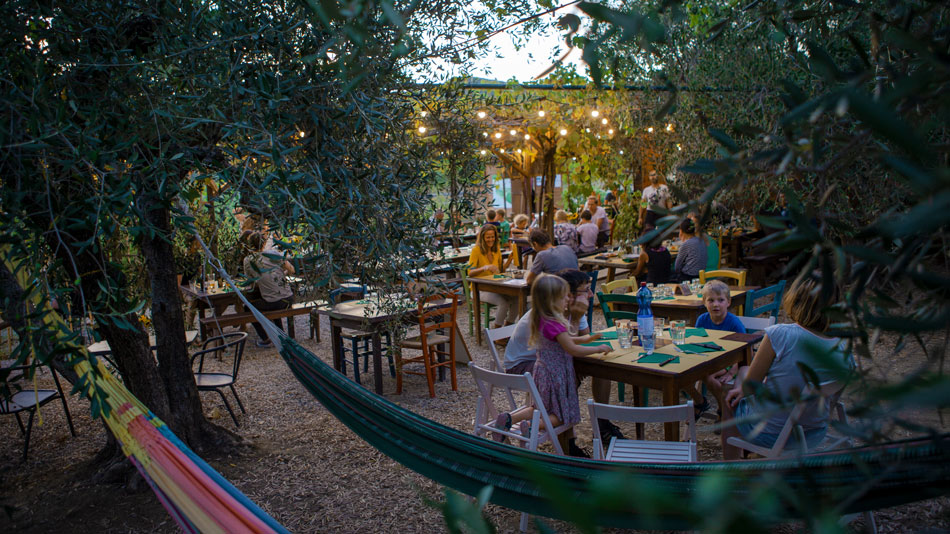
879 475
195 495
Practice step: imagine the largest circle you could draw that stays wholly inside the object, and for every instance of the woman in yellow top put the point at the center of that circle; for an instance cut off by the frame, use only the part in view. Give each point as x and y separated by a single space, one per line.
486 259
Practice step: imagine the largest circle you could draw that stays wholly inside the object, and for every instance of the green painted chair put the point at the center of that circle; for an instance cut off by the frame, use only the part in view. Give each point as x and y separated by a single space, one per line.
713 252
772 307
486 306
610 316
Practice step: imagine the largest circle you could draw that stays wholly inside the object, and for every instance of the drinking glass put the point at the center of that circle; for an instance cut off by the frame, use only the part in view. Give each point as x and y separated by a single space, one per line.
659 324
624 334
678 332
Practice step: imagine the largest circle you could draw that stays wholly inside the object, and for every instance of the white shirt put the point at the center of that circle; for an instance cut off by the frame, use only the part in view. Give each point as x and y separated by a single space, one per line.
656 198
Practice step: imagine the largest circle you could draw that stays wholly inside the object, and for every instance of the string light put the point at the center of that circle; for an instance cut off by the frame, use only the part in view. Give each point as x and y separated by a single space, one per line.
526 137
650 129
563 132
610 131
587 130
301 134
595 113
481 114
621 152
424 113
484 134
483 152
603 121
422 130
541 113
512 132
502 151
669 127
678 147
574 158
519 151
497 135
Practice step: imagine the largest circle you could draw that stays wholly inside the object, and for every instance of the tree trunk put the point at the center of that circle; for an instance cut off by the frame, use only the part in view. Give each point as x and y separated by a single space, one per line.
186 419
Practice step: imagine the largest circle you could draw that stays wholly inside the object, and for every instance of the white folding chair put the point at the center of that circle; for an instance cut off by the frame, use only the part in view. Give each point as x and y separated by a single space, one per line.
492 335
753 324
634 450
828 398
487 412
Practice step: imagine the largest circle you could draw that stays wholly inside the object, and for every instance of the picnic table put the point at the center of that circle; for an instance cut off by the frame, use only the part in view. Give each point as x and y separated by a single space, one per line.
502 284
631 367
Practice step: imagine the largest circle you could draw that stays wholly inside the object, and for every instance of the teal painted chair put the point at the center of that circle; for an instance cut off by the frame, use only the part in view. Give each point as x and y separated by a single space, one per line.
610 316
486 306
713 253
590 302
772 307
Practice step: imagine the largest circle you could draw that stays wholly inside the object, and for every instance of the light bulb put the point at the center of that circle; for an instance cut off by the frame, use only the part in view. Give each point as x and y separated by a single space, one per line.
481 114
587 130
502 151
610 131
422 129
650 129
595 113
669 127
621 152
526 137
519 151
301 134
541 113
563 131
512 132
574 158
424 113
678 147
603 121
483 152
484 134
497 135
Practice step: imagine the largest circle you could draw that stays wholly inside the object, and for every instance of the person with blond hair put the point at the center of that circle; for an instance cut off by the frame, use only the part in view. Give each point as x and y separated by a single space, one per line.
486 258
777 365
565 233
554 367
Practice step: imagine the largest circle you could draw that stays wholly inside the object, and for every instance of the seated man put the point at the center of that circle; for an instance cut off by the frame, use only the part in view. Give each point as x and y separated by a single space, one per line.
549 259
587 233
520 356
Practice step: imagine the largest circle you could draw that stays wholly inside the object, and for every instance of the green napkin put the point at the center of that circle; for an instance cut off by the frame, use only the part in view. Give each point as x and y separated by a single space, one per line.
665 298
699 332
596 343
628 260
608 335
499 276
689 347
656 357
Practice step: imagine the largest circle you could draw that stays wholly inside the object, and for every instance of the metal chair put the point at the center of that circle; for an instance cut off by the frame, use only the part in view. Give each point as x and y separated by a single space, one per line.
29 400
436 330
633 450
216 378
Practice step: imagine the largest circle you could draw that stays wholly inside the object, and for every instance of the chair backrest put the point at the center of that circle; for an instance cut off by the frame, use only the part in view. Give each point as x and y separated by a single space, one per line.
738 276
754 324
437 317
610 287
233 341
772 307
635 414
486 381
493 335
497 334
609 314
713 252
827 400
594 275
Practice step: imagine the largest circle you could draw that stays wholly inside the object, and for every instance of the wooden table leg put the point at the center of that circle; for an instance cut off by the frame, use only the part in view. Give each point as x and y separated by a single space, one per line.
610 274
671 398
477 311
336 338
378 362
522 304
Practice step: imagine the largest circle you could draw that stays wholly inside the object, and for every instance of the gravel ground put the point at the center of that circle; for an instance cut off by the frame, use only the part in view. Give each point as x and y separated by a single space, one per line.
303 467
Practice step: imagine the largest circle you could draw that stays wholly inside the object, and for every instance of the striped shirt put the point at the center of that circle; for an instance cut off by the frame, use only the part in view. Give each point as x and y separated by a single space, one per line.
691 259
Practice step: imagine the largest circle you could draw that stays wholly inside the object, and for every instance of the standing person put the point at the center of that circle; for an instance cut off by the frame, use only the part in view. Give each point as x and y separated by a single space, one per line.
520 355
776 365
549 258
504 227
692 255
587 234
656 197
554 368
565 233
486 258
655 260
599 218
270 279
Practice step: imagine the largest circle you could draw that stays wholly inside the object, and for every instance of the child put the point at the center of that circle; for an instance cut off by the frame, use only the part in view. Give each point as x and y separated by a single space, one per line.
777 367
554 367
503 226
716 298
565 233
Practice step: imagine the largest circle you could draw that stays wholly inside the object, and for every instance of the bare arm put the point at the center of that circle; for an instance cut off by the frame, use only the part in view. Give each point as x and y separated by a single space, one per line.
288 268
569 345
641 264
529 278
757 371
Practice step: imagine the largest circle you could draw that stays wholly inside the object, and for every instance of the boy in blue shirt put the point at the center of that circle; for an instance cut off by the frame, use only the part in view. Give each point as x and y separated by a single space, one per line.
716 298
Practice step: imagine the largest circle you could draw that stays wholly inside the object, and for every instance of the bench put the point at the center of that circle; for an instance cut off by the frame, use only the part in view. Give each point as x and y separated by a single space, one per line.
214 324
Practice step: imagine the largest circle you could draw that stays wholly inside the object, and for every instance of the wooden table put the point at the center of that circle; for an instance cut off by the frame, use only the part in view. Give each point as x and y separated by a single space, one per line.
102 348
613 261
690 307
217 301
620 365
506 286
367 316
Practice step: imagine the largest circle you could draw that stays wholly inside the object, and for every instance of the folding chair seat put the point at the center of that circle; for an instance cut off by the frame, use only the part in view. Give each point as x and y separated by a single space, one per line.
633 450
30 400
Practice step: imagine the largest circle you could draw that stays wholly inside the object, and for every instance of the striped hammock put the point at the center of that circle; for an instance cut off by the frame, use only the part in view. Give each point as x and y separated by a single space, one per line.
195 495
879 476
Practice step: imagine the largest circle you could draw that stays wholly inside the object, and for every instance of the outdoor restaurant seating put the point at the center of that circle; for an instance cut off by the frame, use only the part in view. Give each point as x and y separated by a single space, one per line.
436 330
629 283
635 450
772 307
29 400
214 352
497 365
736 276
474 316
359 340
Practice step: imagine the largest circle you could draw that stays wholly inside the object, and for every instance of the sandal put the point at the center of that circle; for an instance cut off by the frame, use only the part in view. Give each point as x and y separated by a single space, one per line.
701 409
503 422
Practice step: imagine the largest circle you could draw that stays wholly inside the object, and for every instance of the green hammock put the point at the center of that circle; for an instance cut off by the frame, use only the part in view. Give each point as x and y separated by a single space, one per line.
881 475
